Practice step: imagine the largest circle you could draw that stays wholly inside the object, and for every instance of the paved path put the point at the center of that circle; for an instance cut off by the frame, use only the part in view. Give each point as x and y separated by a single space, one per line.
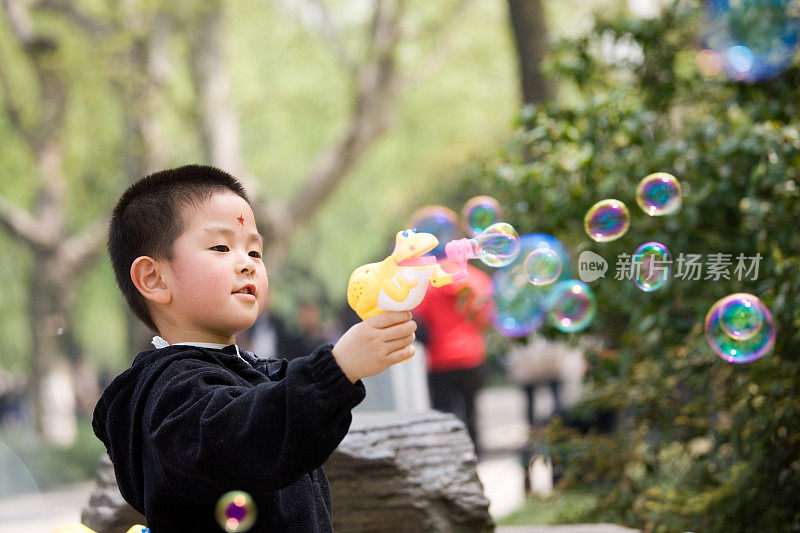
33 513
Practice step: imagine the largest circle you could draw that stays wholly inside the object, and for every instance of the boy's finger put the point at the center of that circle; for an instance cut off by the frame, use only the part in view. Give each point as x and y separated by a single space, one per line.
390 318
402 354
398 331
399 343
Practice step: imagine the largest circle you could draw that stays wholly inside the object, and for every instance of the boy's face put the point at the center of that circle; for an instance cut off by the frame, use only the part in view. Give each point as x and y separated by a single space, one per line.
216 277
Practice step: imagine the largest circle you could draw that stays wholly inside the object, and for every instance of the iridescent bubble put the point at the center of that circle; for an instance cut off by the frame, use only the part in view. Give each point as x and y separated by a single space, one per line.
651 263
659 194
519 305
754 39
607 220
542 266
439 221
741 316
479 213
571 305
739 350
498 245
236 511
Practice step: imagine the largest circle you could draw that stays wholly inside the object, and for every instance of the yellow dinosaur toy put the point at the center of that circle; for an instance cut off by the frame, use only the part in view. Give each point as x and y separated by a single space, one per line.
399 282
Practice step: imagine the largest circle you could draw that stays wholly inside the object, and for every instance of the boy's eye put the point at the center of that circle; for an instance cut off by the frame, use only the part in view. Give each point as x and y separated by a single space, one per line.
220 248
255 254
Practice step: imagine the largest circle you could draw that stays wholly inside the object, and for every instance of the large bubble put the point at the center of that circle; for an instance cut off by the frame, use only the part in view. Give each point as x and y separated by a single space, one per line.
498 245
736 340
440 221
652 264
659 194
479 213
607 220
519 305
236 511
741 317
542 266
571 305
753 40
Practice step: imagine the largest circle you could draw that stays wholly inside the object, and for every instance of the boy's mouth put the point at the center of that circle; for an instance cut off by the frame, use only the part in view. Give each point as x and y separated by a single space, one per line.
247 289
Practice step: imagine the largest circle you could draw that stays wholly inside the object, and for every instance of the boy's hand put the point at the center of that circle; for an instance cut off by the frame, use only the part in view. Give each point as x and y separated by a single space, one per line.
372 346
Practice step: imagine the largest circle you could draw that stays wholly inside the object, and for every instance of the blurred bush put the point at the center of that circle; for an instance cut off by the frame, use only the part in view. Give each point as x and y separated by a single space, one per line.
699 443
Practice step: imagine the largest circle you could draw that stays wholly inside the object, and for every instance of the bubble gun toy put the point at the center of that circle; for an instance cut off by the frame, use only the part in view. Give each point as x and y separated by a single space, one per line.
399 282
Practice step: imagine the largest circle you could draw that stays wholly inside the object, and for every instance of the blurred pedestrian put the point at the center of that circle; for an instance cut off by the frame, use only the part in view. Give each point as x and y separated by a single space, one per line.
454 318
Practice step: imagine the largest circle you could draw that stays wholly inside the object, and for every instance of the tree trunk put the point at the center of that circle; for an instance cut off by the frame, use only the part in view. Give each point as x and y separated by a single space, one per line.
530 37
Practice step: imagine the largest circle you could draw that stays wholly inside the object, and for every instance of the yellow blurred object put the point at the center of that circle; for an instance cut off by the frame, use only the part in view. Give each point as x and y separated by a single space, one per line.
80 528
73 528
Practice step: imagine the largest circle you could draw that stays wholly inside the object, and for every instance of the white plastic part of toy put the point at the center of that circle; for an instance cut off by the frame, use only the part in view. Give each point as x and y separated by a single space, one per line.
415 296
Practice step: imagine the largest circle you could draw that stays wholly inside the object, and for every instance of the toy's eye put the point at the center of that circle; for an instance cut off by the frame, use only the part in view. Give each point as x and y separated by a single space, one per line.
414 230
405 234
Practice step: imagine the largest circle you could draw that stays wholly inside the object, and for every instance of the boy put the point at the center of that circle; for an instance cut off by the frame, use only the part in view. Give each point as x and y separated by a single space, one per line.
196 417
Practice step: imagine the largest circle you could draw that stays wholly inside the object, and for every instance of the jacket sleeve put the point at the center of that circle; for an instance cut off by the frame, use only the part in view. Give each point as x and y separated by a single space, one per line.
210 431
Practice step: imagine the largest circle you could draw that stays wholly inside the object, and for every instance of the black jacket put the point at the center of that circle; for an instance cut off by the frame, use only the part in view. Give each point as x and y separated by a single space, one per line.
184 425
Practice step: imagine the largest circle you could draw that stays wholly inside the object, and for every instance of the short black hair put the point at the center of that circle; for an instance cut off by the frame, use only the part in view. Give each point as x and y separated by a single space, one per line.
149 218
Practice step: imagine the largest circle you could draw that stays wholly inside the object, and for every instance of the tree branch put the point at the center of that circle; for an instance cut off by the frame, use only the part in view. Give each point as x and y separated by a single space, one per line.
76 252
24 226
376 85
20 21
13 112
434 61
334 37
80 19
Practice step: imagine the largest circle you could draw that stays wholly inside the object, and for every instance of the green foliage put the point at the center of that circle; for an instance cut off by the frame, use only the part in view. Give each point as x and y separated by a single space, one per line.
701 444
566 507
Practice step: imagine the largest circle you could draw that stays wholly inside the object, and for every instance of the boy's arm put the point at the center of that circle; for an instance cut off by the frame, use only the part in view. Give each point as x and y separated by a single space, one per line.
211 432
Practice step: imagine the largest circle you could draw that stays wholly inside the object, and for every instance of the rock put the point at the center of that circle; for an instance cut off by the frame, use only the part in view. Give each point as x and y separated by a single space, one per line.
106 511
407 472
403 472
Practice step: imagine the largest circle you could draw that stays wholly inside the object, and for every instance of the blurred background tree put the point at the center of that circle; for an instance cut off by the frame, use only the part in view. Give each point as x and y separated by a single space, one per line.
292 96
700 444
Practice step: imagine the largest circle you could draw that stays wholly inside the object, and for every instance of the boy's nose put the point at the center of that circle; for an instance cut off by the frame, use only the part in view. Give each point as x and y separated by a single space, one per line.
246 264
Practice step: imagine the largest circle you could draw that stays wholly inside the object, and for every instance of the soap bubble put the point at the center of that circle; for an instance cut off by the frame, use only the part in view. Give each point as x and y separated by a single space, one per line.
498 245
439 221
607 220
571 305
741 316
236 511
755 39
659 194
542 266
15 480
739 350
519 305
651 264
479 213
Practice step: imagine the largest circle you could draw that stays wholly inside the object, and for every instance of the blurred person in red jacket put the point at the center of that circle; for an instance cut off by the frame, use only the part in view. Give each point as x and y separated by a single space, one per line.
453 319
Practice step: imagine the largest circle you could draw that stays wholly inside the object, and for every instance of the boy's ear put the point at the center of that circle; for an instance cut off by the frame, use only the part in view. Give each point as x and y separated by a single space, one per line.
147 277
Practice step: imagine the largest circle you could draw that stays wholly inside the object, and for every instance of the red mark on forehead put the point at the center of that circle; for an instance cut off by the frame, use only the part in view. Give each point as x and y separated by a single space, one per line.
240 218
